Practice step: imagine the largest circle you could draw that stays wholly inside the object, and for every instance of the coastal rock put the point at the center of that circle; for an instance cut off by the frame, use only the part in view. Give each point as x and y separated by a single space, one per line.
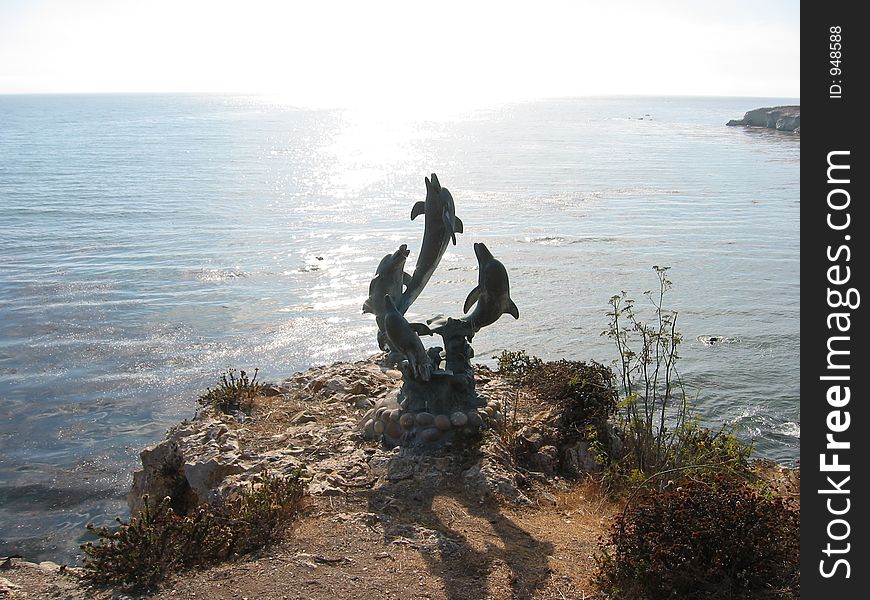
312 421
577 459
487 480
545 460
161 475
329 430
781 118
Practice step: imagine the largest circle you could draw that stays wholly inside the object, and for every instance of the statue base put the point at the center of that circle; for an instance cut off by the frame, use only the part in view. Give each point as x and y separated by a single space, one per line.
441 412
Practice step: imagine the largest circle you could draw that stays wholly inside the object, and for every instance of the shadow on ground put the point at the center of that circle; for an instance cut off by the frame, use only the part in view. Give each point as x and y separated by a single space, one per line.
469 544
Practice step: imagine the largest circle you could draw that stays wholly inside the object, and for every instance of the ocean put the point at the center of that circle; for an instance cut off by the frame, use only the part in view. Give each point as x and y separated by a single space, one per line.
148 242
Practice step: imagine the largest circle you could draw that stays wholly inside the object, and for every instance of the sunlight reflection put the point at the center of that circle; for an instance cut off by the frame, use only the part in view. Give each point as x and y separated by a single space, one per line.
368 149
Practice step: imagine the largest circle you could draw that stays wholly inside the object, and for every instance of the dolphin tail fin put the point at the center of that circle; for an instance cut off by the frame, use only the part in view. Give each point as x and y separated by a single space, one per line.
512 309
472 298
436 185
457 224
419 209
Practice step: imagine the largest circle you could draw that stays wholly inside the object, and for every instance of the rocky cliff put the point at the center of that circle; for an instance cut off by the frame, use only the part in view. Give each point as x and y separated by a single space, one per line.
781 118
314 420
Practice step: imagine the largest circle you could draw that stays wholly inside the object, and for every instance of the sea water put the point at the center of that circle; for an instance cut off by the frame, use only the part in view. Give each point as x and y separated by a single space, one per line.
149 242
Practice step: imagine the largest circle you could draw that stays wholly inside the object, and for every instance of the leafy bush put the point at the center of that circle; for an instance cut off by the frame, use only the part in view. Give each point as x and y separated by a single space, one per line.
517 365
583 393
582 399
704 446
708 539
233 394
158 541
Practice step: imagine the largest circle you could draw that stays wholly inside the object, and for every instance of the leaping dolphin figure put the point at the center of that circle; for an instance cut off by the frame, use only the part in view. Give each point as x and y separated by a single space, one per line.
389 279
441 225
492 293
403 337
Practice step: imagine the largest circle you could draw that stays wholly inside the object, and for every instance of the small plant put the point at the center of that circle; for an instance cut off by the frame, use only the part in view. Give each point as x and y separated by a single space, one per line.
710 538
233 394
661 433
157 541
516 366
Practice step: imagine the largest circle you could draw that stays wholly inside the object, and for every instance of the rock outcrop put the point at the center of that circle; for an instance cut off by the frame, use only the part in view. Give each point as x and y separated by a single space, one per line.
318 420
781 118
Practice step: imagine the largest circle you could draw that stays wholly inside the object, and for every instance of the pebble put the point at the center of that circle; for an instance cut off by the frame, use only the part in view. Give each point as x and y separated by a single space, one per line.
407 421
379 427
395 415
442 422
430 435
459 419
393 430
425 419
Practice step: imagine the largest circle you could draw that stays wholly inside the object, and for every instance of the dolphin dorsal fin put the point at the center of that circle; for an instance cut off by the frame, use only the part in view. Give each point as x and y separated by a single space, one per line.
448 226
419 209
512 309
473 296
367 307
406 279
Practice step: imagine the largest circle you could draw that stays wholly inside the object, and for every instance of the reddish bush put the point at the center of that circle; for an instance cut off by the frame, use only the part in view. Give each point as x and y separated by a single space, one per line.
710 540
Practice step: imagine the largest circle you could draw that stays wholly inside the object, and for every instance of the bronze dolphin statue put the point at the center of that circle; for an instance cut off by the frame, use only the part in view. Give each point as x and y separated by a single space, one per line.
441 225
403 338
492 294
389 279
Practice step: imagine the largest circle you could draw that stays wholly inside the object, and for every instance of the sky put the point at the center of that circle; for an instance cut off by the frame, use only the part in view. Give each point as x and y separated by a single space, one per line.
345 53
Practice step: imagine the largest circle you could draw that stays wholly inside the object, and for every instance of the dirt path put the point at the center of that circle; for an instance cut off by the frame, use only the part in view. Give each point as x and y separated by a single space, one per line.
395 542
406 545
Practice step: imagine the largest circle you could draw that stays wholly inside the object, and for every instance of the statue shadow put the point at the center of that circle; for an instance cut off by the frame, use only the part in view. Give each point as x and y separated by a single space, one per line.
461 539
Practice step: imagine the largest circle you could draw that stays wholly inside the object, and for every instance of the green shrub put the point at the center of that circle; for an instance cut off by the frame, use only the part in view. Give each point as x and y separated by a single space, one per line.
583 393
516 366
660 429
704 446
233 394
158 541
708 539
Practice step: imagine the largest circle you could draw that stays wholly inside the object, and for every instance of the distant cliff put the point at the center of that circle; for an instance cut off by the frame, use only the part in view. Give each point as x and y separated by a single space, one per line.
781 118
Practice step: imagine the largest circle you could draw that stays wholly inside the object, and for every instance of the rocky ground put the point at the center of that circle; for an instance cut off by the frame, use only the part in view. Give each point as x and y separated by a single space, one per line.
378 523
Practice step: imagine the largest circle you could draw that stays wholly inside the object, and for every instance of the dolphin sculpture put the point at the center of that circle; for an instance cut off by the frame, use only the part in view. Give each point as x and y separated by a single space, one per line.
440 226
403 337
492 294
389 279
